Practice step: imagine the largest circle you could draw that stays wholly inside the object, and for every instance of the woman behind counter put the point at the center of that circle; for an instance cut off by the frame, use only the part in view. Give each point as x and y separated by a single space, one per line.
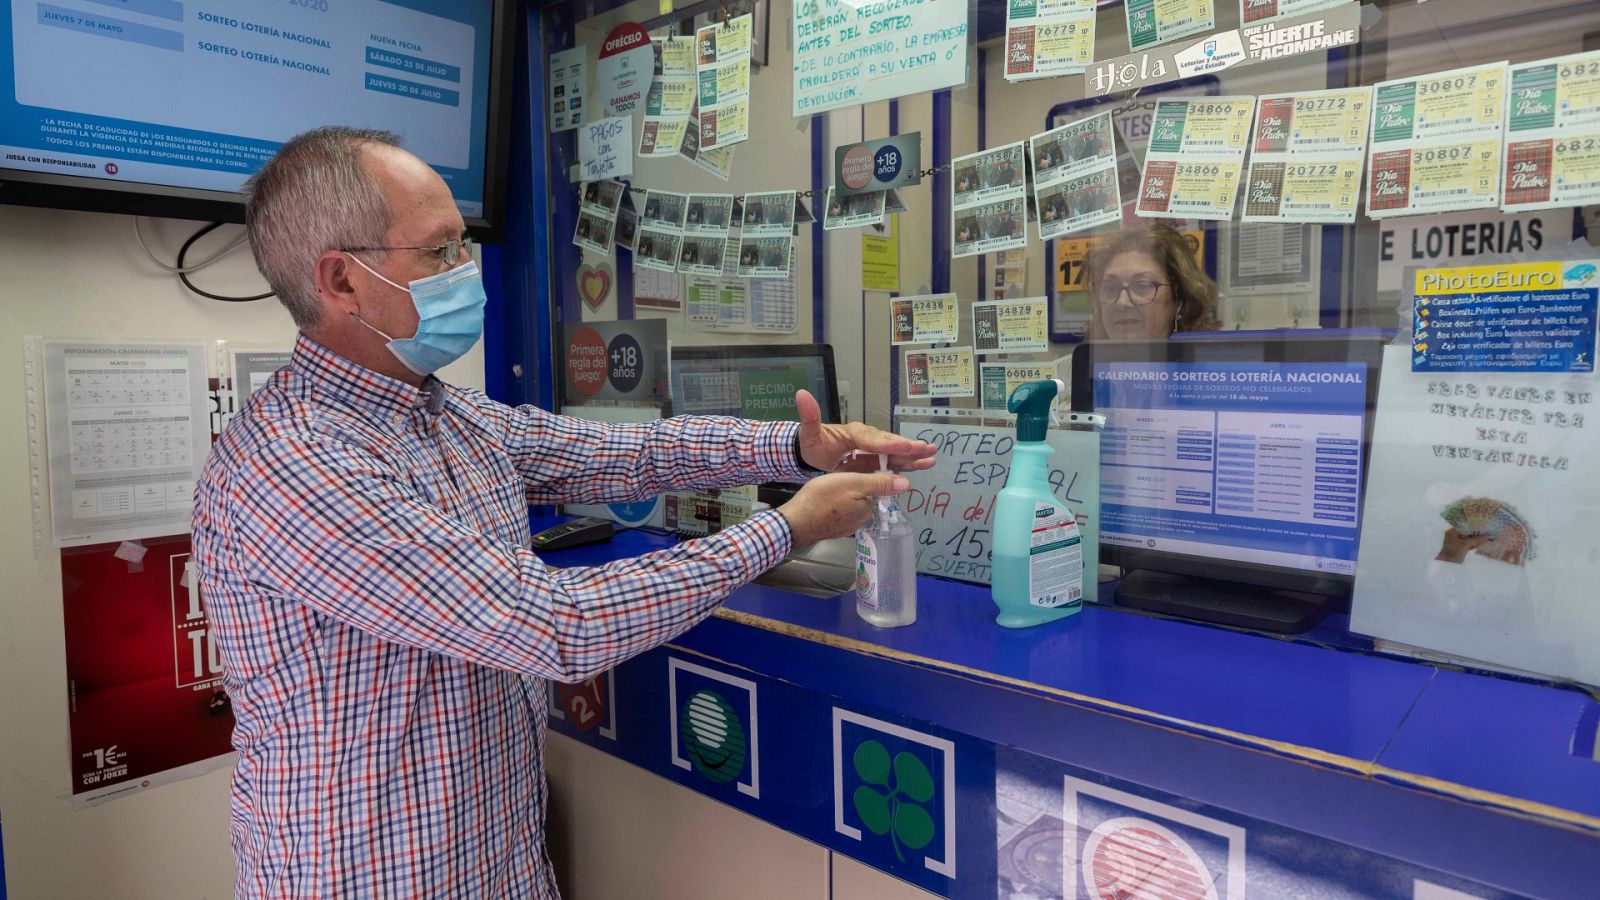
1144 284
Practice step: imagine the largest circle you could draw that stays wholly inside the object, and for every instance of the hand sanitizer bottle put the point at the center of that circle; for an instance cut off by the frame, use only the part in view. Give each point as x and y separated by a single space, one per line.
886 565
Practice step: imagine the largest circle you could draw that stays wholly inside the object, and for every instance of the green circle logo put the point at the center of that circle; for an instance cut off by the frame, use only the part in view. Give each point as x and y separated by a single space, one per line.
713 736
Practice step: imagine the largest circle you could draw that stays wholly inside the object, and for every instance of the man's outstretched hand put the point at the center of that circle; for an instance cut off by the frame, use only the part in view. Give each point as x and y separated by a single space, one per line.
835 505
824 446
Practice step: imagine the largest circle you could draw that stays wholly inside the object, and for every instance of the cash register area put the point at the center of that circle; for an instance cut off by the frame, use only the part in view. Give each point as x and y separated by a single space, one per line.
1318 281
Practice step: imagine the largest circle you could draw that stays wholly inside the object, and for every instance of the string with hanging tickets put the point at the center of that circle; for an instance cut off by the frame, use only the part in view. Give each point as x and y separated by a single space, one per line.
925 173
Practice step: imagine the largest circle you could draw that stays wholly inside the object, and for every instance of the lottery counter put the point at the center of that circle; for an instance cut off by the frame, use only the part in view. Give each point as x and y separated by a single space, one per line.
1108 751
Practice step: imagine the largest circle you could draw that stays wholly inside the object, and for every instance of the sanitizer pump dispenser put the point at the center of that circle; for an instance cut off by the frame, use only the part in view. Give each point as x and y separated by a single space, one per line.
886 565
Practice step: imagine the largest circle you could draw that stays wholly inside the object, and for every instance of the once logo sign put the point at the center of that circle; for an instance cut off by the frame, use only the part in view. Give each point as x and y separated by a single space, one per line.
712 736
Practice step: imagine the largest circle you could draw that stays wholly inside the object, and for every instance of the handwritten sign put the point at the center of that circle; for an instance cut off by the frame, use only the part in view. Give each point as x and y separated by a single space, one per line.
1477 539
847 54
605 148
951 506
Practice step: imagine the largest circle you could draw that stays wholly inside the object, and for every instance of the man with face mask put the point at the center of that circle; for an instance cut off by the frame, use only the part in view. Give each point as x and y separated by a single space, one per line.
362 539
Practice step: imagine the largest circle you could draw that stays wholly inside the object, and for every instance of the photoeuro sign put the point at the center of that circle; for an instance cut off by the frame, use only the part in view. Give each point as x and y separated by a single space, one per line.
1310 33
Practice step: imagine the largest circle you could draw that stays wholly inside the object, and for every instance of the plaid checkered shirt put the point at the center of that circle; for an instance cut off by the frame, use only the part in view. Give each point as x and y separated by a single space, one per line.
386 633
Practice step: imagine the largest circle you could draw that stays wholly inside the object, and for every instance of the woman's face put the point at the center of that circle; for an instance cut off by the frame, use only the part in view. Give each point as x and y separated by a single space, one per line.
1120 316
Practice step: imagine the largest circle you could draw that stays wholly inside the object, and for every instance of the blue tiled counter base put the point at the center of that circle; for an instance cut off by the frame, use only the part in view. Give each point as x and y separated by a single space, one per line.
1105 755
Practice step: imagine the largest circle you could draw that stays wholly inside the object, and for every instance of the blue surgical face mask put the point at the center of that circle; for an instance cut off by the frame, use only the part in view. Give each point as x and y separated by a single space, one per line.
449 317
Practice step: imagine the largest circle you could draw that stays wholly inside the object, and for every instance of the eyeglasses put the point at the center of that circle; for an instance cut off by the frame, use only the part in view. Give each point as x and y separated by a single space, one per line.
449 252
1141 291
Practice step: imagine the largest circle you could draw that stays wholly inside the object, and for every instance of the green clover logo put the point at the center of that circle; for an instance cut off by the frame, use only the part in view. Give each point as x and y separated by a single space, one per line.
890 801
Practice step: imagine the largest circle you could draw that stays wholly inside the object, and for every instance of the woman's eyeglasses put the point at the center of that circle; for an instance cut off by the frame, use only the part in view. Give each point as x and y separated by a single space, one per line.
1140 291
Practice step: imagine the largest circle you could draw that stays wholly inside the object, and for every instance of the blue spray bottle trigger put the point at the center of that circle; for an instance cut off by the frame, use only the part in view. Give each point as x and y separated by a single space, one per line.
1032 403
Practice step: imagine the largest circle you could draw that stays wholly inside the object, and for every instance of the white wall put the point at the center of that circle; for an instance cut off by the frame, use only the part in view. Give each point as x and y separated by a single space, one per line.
81 275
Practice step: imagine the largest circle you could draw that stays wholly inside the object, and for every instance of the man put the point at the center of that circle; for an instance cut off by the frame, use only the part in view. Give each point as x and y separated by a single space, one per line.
1055 208
1004 225
362 537
1046 157
1002 173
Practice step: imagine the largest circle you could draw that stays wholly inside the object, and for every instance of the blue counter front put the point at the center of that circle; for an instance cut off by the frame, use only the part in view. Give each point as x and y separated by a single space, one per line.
1108 755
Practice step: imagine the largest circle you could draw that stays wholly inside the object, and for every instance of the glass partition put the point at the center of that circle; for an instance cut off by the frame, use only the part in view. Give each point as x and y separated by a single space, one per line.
1336 171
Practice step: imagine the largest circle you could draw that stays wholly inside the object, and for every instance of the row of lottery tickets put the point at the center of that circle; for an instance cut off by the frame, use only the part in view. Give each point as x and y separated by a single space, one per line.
997 326
695 234
1519 137
955 373
1049 38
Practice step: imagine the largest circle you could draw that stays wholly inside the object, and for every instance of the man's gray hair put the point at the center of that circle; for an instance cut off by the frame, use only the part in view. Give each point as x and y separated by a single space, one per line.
312 196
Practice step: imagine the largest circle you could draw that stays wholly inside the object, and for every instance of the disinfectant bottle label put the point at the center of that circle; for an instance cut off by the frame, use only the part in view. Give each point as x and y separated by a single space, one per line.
1055 557
866 571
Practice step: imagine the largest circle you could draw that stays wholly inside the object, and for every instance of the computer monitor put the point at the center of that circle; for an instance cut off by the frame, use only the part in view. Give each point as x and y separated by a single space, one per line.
1229 466
163 108
755 381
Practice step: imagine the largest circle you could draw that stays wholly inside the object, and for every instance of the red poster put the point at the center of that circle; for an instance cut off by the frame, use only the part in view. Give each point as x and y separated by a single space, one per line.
1157 193
144 678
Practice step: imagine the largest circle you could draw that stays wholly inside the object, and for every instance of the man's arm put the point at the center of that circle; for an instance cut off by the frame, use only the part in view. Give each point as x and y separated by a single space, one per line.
332 527
571 460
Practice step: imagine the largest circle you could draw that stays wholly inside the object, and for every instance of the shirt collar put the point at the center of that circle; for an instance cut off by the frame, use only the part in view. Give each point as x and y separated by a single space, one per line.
331 377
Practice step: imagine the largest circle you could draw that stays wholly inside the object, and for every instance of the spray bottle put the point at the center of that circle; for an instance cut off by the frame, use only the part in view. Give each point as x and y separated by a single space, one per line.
1037 573
886 565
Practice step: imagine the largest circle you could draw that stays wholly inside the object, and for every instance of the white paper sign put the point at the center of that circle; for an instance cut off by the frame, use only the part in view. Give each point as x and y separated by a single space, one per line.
951 506
850 53
129 428
1477 542
605 148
